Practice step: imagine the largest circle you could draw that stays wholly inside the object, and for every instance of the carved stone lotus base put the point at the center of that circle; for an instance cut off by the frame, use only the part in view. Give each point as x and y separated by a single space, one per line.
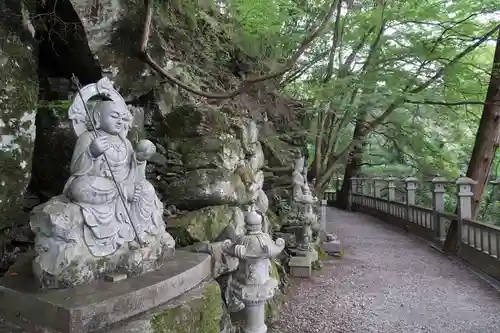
63 259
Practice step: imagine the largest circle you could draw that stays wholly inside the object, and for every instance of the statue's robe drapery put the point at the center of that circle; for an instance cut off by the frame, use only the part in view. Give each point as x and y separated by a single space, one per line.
297 190
106 214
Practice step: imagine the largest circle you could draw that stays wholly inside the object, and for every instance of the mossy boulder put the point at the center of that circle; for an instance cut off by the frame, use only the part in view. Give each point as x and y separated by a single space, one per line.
211 152
201 314
202 188
18 96
279 153
201 310
188 120
206 224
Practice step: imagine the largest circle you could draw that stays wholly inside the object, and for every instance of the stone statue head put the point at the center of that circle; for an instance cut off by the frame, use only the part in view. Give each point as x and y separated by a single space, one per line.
111 118
299 165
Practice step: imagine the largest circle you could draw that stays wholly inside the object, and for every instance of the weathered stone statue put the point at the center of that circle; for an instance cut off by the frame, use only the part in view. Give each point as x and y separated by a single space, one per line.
298 181
302 222
109 218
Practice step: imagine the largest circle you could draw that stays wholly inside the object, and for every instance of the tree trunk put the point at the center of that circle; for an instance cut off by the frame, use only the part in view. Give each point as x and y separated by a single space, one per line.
351 170
485 146
353 165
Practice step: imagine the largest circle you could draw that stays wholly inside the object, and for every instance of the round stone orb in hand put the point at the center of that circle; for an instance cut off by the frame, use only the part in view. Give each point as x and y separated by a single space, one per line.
144 150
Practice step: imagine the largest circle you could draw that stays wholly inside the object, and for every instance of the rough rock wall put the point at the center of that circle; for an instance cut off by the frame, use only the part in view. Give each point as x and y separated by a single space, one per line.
18 100
90 39
189 40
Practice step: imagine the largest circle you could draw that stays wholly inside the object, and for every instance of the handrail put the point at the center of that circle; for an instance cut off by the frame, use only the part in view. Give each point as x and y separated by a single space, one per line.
491 227
479 242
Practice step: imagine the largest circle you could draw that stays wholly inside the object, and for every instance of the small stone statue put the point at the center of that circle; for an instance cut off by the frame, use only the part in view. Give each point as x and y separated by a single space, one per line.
302 220
109 217
298 182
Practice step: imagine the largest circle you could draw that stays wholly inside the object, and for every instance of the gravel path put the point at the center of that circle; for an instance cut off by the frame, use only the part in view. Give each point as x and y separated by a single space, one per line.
389 282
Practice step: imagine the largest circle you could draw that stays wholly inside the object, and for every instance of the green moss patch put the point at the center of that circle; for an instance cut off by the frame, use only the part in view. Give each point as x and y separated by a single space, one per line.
200 315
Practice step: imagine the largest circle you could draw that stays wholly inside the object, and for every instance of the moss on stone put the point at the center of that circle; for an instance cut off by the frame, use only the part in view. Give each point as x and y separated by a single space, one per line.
200 315
200 225
273 306
279 153
274 220
317 265
322 255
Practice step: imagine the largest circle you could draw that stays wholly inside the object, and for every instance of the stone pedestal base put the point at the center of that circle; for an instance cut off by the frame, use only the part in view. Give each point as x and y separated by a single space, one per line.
312 254
331 245
300 266
332 248
101 306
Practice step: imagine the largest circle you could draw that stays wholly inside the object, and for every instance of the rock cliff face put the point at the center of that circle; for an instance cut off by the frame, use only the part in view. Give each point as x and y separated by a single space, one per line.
18 100
209 156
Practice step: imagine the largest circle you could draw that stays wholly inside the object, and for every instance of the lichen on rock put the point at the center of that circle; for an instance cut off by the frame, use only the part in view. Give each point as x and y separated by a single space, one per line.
18 99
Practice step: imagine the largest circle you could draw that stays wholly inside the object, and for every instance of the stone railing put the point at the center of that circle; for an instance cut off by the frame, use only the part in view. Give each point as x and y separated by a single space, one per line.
479 242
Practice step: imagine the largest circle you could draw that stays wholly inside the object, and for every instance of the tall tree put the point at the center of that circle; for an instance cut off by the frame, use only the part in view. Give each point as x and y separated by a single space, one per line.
485 146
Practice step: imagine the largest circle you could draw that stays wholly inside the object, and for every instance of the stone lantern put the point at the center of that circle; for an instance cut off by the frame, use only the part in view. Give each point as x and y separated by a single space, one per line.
252 284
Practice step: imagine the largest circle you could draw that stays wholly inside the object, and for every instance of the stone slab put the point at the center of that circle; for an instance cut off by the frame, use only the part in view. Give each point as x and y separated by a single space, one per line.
200 309
300 266
312 255
91 307
332 247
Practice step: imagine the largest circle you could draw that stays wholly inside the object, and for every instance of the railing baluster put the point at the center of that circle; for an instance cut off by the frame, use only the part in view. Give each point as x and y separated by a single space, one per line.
468 233
473 234
489 241
481 239
498 245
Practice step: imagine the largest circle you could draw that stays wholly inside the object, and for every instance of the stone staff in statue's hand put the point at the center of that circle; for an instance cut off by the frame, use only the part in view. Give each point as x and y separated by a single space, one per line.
98 146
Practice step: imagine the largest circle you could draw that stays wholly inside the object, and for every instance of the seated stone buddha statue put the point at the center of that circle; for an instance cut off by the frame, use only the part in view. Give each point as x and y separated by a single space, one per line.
108 217
108 184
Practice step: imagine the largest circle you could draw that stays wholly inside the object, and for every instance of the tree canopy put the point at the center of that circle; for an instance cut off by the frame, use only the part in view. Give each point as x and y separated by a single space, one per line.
390 87
411 76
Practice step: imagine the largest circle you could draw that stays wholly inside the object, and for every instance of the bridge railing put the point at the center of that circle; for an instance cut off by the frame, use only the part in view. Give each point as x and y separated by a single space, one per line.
479 242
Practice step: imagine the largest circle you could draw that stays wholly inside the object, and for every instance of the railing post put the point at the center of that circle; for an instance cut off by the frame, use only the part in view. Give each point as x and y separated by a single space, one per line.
367 186
353 182
354 185
465 194
391 192
391 188
364 190
378 183
337 184
359 186
438 206
323 214
464 190
411 187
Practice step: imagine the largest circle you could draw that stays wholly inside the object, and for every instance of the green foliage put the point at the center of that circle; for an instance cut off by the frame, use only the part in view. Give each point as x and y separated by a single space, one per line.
395 86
